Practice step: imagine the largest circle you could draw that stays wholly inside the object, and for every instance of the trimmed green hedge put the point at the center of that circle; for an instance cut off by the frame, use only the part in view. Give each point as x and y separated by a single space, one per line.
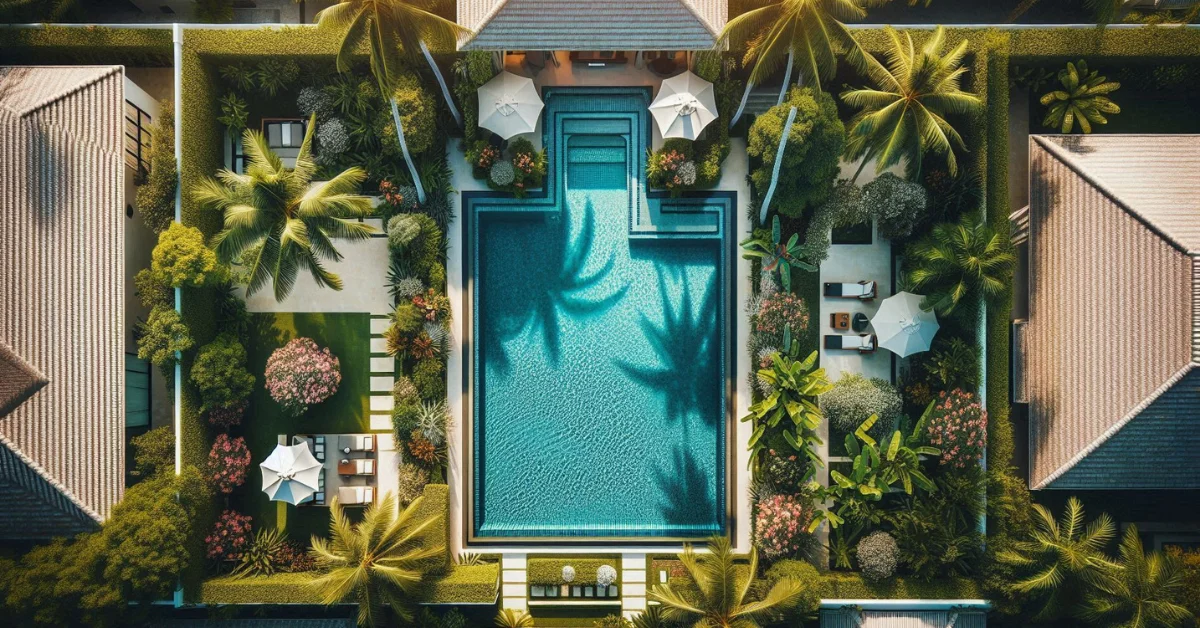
436 504
49 45
549 570
283 588
852 586
467 584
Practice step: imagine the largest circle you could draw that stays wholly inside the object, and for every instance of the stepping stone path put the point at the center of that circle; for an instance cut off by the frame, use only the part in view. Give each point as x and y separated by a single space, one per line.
633 584
513 582
383 376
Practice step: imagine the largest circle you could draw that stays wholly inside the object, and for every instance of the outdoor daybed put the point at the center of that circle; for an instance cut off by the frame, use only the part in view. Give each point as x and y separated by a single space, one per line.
865 290
865 343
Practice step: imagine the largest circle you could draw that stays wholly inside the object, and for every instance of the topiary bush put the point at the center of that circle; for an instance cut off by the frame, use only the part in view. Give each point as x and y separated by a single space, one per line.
155 199
877 556
502 173
811 158
854 398
332 138
181 258
150 291
153 452
804 573
219 373
898 205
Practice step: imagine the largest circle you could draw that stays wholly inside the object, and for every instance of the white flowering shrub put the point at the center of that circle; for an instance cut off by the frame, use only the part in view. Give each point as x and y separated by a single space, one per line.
502 173
898 204
687 173
313 100
854 398
332 137
606 575
568 573
877 554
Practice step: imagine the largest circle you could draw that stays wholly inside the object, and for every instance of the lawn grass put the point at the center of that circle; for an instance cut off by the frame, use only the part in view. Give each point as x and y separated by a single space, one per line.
348 337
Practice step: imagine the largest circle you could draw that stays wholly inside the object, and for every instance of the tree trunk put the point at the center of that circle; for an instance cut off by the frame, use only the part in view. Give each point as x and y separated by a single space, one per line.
787 79
742 107
412 168
787 129
437 73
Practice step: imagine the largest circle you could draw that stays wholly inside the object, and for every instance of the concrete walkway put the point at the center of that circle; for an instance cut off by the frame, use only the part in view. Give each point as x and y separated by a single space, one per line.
633 584
383 376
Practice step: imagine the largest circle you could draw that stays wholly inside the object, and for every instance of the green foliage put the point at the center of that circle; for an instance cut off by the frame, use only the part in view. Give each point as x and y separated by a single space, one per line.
549 570
417 115
897 205
509 618
163 334
429 376
150 290
719 595
402 229
795 386
799 571
960 261
1142 592
273 75
233 113
109 576
219 373
155 199
938 532
810 160
1083 99
263 206
378 560
261 557
612 621
182 259
954 363
153 452
471 70
776 256
854 396
904 117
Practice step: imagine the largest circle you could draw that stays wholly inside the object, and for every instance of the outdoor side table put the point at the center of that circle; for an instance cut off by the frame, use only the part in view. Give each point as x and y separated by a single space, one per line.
860 322
840 321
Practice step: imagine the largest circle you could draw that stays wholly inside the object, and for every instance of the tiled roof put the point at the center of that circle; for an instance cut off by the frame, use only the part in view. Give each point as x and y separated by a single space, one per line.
61 252
18 380
1112 339
592 25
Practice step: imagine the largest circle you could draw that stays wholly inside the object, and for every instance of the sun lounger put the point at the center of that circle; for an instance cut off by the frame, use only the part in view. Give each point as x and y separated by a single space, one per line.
357 466
356 442
865 290
865 343
356 495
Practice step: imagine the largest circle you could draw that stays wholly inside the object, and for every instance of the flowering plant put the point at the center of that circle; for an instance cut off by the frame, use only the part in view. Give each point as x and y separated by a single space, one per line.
300 374
957 425
227 463
488 156
662 169
778 311
225 418
293 557
229 537
432 305
402 197
787 472
781 525
421 449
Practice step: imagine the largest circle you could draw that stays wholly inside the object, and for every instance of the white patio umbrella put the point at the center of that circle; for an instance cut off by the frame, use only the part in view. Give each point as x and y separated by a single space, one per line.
684 106
509 105
902 326
290 474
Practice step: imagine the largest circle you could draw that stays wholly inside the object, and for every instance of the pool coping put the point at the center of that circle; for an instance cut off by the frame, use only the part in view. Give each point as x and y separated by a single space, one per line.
731 482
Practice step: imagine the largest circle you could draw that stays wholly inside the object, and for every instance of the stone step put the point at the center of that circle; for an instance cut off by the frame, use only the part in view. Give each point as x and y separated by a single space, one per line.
383 365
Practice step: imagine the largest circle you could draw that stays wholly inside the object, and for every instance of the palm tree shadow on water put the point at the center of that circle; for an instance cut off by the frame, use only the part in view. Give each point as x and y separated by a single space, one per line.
684 375
556 284
685 497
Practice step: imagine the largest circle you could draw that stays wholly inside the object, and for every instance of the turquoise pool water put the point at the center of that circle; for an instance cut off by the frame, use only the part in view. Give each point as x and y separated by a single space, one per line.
599 341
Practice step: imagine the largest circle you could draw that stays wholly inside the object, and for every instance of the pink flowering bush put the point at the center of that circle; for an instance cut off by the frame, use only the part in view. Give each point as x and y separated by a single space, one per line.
778 311
224 418
958 426
781 525
227 463
230 536
300 374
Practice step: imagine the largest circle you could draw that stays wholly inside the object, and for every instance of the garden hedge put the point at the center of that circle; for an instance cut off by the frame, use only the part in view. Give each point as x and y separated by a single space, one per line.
436 503
852 586
50 45
283 588
549 570
466 584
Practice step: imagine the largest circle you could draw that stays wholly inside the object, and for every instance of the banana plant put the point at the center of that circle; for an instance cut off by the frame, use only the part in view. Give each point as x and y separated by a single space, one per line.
777 256
877 467
1083 99
795 385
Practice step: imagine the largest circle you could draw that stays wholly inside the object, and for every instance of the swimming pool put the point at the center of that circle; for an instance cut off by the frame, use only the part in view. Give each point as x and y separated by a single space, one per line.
599 361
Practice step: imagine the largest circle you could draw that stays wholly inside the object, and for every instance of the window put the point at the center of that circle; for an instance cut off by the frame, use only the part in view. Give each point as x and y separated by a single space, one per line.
137 138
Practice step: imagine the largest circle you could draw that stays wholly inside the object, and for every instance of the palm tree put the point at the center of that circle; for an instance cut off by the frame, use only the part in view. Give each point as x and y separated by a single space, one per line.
810 32
1140 593
959 259
1081 99
278 222
905 116
722 587
1065 557
379 561
392 28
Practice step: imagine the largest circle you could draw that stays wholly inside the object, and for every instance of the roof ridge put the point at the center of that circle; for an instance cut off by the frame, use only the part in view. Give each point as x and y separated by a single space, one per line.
36 380
1196 309
691 7
49 479
1116 427
1063 156
39 105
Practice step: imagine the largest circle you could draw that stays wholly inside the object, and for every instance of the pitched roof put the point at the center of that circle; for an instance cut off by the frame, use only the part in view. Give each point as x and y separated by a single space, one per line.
592 24
18 380
61 252
1113 334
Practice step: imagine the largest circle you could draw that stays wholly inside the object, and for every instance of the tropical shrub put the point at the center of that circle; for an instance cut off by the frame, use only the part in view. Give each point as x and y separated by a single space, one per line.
422 450
407 287
510 618
781 525
482 155
402 229
1142 589
529 166
274 75
854 397
314 100
807 575
412 481
262 556
162 336
230 536
953 364
433 306
220 374
877 556
429 378
293 558
404 391
897 205
332 138
228 461
960 261
434 422
226 417
957 426
155 199
1189 565
150 290
778 312
182 259
417 115
612 621
502 174
937 533
234 113
843 208
775 255
401 198
1083 99
787 471
663 166
301 374
153 452
810 160
795 386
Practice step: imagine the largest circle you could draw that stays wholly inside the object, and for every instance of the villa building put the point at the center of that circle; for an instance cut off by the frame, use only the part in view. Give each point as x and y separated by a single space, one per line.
1107 331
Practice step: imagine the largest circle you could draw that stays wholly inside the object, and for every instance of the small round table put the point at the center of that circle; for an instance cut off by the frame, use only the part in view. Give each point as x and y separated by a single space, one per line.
860 322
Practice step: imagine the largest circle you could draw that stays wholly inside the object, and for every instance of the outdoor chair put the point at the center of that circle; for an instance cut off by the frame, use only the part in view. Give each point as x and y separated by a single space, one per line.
863 290
355 442
864 343
356 495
